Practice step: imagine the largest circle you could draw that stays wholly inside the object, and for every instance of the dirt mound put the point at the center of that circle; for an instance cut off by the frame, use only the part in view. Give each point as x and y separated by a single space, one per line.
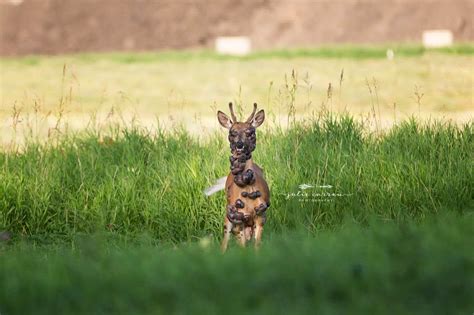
60 26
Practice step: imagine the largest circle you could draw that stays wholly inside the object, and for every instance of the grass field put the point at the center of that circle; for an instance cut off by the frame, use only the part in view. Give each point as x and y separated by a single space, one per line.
109 217
408 269
187 87
120 225
132 181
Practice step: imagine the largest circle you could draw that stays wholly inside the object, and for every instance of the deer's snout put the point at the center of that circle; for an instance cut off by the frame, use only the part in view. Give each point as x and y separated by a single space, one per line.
239 145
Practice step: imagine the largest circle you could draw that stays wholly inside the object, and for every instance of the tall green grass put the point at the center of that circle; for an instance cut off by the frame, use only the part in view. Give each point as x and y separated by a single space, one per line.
132 181
115 222
423 268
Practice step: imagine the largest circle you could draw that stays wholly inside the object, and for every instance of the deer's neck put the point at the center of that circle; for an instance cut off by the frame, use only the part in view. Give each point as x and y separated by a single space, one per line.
238 161
241 168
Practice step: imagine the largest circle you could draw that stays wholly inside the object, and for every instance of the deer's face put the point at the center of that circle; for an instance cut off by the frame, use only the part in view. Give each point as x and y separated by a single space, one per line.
242 137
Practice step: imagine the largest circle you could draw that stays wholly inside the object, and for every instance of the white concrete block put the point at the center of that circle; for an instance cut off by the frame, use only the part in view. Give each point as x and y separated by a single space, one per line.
437 38
236 45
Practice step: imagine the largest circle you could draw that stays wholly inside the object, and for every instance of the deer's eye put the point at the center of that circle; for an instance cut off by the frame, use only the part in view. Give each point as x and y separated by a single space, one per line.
233 133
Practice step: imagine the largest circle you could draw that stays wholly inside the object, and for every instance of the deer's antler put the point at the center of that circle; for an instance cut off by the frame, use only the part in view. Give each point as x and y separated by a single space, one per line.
253 113
231 107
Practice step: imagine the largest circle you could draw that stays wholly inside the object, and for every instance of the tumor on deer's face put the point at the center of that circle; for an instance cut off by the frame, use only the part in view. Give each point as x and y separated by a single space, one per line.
242 137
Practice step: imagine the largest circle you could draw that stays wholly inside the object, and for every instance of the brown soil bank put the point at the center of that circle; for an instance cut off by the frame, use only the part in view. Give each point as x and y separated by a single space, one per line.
63 26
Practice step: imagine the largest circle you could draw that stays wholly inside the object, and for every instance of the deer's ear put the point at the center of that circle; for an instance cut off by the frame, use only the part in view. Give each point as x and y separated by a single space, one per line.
258 119
224 120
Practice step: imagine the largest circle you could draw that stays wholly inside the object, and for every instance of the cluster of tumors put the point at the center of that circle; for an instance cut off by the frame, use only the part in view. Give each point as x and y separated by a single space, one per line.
239 158
243 177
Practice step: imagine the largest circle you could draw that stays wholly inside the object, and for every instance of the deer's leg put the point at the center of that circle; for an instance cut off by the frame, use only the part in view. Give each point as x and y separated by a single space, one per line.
240 232
248 233
258 229
227 231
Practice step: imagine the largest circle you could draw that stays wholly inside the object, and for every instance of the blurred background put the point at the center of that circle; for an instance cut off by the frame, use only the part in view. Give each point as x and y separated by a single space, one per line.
66 26
177 61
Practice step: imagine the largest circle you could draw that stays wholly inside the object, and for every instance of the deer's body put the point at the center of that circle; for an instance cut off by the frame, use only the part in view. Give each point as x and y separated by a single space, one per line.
257 194
247 193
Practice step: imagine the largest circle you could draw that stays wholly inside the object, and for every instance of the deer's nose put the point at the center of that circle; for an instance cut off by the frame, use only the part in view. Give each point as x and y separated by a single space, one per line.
239 145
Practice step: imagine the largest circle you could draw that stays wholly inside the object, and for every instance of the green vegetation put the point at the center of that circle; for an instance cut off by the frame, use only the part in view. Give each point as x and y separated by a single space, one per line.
325 51
387 269
116 223
131 181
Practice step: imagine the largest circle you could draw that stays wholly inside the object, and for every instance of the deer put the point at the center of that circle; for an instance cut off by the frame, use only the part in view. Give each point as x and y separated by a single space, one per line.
247 192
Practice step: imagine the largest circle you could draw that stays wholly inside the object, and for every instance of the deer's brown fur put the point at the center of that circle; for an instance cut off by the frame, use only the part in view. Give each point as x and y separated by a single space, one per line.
248 196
